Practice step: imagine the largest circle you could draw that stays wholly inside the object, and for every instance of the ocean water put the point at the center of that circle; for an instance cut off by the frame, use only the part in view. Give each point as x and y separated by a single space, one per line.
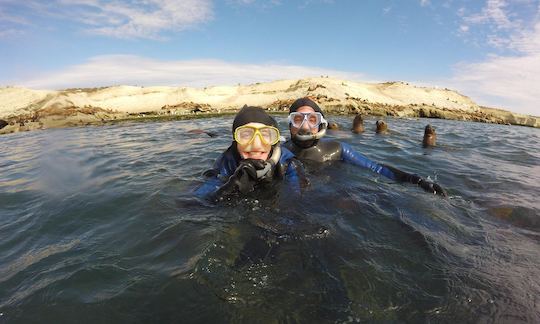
98 225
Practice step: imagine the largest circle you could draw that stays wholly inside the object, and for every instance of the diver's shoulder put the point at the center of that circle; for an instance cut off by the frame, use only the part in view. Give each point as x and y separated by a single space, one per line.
329 143
226 162
227 156
287 144
286 154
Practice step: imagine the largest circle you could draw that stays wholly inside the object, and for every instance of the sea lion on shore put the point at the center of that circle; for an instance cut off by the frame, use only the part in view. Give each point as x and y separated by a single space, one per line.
3 123
200 131
358 125
429 136
382 127
333 126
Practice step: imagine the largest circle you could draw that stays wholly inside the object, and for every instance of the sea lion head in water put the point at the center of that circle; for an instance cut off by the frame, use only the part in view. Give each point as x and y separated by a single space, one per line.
333 125
358 125
200 131
382 127
429 136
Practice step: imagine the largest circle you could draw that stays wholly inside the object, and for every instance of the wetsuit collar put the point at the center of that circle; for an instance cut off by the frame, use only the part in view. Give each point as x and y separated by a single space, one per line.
304 144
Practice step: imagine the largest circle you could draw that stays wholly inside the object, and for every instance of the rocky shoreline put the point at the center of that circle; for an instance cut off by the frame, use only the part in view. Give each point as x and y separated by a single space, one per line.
24 109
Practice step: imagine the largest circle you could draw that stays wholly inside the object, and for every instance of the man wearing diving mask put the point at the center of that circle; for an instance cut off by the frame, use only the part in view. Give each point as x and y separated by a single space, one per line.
308 126
254 157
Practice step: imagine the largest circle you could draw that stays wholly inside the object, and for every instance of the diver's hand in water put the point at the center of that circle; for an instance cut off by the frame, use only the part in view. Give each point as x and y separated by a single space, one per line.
428 186
245 175
414 179
432 187
250 167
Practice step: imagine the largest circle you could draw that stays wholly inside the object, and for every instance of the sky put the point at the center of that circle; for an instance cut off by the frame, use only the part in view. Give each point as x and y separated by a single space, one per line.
488 50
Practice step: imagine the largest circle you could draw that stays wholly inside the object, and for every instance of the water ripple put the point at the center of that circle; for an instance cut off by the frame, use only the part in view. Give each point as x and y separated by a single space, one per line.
96 220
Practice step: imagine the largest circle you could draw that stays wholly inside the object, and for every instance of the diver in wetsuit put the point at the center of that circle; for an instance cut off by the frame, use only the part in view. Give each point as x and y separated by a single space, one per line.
253 159
307 126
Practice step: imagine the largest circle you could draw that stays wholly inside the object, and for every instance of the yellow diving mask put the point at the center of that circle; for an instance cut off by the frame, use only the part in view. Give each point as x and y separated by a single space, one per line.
268 135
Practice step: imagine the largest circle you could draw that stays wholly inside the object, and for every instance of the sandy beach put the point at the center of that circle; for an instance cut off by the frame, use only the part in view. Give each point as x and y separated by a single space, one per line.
24 109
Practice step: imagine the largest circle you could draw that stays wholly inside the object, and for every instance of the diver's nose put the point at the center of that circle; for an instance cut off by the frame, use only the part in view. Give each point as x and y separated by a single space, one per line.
304 129
257 143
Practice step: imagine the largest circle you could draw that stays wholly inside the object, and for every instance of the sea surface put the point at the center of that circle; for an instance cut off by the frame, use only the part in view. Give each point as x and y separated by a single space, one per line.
99 225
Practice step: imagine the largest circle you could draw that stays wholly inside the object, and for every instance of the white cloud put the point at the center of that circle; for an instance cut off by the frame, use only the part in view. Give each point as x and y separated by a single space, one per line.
11 25
142 18
307 3
424 3
135 70
527 41
507 82
494 12
11 33
510 82
259 4
7 18
125 19
244 2
495 24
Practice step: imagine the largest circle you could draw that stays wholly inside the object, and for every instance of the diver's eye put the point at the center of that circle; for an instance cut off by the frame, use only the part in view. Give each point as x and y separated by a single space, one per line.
298 119
266 134
245 134
313 120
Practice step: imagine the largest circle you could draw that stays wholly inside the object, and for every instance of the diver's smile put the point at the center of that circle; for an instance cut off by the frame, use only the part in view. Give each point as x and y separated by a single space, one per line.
257 155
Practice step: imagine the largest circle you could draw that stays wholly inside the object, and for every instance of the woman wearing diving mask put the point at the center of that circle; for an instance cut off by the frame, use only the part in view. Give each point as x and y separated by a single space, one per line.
254 157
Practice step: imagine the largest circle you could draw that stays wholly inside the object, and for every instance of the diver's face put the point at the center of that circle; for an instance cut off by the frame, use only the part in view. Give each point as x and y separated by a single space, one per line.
305 129
255 149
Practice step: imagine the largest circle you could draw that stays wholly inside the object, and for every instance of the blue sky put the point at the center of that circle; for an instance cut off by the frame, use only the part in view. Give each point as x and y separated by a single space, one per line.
486 49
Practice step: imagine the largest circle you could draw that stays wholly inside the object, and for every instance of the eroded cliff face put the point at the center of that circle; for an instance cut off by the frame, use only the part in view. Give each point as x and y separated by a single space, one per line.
24 109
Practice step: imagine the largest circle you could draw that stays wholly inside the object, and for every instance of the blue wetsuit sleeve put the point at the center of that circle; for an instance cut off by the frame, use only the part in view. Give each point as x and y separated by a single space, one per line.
223 168
350 156
209 187
294 174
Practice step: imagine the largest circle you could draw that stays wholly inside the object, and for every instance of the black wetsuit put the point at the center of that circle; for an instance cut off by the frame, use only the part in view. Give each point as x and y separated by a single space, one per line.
328 150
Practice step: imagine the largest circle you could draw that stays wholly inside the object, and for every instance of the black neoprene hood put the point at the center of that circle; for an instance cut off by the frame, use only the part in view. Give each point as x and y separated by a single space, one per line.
305 102
250 114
